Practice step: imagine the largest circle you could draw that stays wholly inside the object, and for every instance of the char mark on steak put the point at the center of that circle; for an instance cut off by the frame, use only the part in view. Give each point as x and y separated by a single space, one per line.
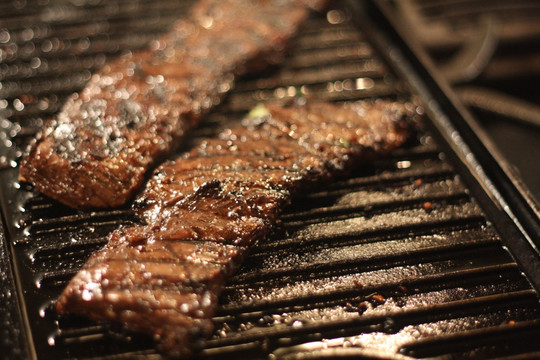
203 211
130 115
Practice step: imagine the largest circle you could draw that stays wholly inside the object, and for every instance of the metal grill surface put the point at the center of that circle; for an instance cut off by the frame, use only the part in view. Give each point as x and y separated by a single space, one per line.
397 261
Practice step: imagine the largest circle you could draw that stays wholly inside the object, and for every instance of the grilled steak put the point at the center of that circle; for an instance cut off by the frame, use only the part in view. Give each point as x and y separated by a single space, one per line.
203 211
132 112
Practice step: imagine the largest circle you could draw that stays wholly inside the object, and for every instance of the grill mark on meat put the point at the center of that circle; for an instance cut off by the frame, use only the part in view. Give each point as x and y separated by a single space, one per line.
130 115
199 224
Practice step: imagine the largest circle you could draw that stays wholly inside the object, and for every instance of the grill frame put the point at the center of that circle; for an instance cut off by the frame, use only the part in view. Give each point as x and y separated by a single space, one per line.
456 153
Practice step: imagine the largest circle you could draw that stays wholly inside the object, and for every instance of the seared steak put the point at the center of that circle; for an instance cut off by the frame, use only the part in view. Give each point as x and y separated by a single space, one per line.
134 110
203 211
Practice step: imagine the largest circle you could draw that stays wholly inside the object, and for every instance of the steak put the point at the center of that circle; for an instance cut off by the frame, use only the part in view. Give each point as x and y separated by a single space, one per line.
134 111
203 211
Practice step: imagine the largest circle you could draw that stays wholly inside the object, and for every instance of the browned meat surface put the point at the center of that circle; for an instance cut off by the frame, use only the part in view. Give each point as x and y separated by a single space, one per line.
96 152
203 211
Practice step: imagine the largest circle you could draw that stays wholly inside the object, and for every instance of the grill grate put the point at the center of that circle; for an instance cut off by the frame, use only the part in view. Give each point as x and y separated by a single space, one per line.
396 262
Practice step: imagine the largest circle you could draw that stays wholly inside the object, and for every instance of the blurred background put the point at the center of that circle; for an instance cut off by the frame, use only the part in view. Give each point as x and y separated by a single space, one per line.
489 50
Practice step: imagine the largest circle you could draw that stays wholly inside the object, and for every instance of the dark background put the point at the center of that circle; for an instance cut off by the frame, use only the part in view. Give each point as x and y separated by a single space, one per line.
500 40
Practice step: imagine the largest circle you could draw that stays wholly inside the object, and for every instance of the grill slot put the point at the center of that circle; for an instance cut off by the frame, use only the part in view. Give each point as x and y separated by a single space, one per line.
398 258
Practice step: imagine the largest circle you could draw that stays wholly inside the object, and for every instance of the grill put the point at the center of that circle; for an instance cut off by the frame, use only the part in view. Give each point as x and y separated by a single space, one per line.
408 258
